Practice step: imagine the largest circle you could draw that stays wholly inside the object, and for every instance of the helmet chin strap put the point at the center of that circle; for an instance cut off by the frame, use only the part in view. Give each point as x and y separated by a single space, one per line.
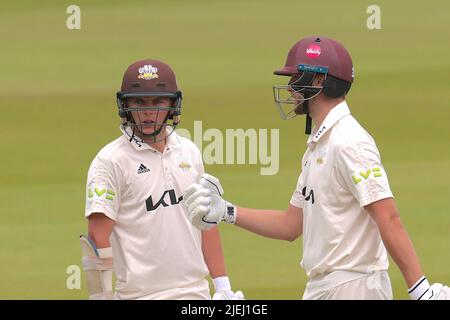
308 125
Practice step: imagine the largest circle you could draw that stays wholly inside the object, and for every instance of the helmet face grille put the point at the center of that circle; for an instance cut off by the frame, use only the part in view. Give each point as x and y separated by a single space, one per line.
136 129
290 98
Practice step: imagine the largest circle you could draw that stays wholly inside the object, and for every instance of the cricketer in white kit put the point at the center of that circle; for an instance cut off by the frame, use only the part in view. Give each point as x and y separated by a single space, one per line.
138 227
342 173
342 205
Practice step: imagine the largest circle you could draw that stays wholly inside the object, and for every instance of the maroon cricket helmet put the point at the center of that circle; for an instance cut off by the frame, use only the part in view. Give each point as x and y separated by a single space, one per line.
319 51
308 57
149 78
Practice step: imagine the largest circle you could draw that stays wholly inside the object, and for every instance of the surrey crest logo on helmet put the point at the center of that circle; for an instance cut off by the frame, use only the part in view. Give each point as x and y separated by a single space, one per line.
148 72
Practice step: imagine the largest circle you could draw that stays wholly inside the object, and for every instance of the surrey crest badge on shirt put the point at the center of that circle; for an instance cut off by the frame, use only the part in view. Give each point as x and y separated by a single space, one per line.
185 166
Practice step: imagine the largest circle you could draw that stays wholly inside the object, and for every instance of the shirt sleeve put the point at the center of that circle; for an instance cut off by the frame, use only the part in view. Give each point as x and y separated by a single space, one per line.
362 173
298 198
103 188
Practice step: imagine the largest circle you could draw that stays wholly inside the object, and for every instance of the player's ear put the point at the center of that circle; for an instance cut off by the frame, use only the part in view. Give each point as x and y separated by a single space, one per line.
318 80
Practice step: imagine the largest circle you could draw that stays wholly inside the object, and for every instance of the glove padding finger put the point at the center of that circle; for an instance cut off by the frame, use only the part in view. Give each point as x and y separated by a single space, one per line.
228 295
239 295
199 193
190 191
199 220
212 183
198 202
437 291
440 292
444 294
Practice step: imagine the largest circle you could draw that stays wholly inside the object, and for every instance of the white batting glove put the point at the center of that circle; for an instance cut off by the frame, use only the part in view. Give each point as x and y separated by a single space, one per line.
228 295
223 290
422 290
205 205
197 200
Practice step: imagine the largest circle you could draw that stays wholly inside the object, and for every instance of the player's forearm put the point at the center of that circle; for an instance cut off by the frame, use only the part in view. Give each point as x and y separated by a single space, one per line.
99 229
213 253
274 224
98 257
99 239
401 249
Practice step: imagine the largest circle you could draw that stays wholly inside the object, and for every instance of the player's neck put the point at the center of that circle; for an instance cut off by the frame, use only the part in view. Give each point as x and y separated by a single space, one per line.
320 109
158 145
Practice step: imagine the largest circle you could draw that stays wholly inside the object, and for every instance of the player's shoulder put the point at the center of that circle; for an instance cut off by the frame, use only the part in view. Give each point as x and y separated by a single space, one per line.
112 151
349 133
184 142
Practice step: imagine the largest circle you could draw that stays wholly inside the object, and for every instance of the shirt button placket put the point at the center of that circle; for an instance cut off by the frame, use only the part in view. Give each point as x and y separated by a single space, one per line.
166 168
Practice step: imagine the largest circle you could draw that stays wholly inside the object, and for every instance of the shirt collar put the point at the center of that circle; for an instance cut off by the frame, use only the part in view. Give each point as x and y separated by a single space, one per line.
337 113
173 140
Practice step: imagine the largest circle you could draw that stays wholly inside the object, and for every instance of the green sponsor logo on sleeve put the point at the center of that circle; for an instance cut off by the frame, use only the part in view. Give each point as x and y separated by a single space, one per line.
376 172
99 192
109 194
366 174
356 180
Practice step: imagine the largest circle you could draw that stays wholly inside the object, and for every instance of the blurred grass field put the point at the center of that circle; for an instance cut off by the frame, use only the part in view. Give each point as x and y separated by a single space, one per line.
57 93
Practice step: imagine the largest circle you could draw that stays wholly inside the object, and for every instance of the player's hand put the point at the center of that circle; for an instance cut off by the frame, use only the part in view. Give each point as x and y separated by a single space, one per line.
437 291
228 295
205 205
219 207
222 286
422 290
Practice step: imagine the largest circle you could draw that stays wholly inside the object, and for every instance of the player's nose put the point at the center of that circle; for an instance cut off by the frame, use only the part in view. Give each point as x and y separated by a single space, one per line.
150 112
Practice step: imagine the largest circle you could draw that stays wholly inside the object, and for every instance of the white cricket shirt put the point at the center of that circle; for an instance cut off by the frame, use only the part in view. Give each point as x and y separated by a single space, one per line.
341 173
155 247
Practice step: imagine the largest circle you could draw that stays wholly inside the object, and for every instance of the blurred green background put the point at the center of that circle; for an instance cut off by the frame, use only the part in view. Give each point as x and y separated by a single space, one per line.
57 93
